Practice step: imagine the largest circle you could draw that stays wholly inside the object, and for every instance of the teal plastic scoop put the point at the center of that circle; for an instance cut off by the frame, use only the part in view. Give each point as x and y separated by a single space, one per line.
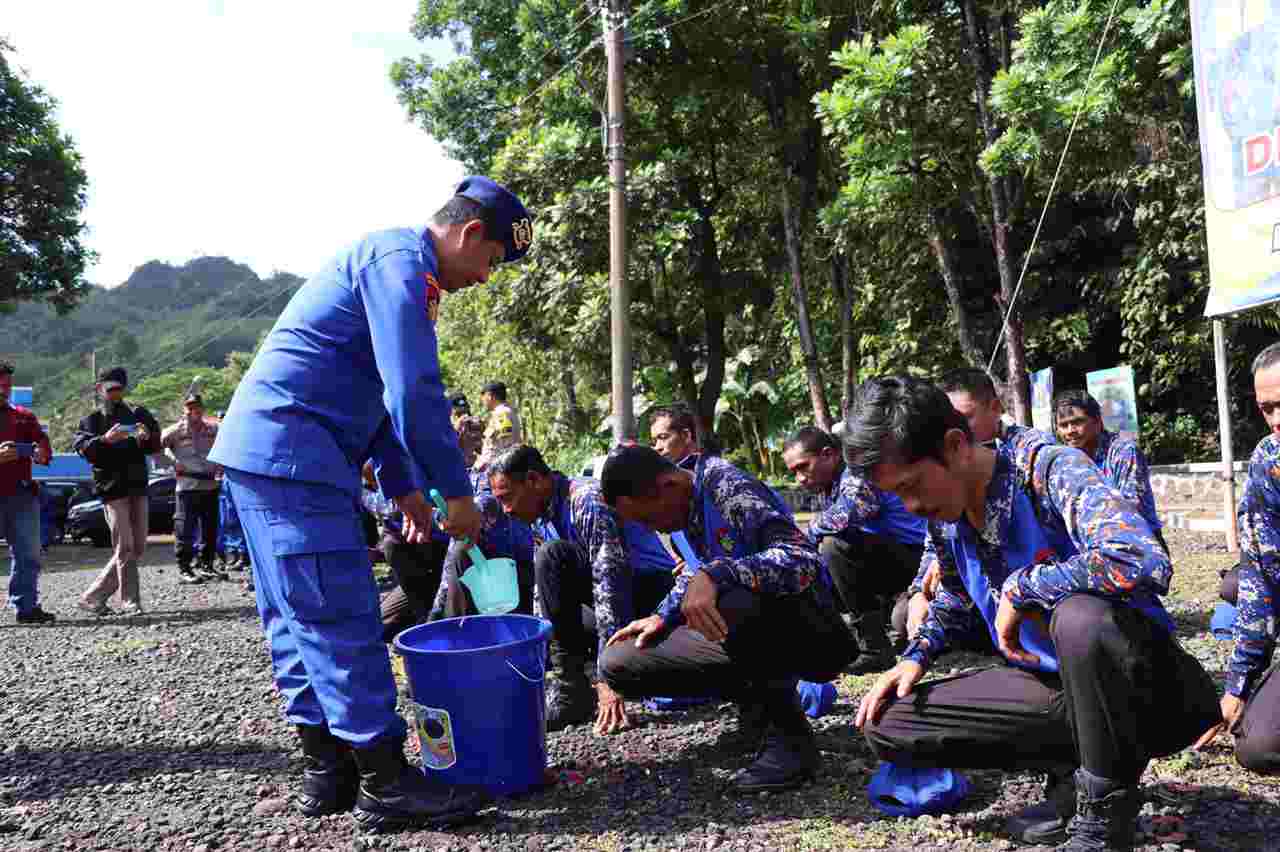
492 582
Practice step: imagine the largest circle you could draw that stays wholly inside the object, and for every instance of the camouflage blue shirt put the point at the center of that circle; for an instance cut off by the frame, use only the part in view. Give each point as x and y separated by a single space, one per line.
1258 519
577 512
1125 467
1008 431
1117 554
855 505
770 555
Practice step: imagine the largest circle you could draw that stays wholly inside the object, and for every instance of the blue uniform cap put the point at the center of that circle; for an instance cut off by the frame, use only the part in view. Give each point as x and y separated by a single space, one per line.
909 791
512 221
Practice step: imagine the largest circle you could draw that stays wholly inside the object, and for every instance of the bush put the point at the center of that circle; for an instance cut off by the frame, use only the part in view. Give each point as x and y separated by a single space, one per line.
572 458
1175 439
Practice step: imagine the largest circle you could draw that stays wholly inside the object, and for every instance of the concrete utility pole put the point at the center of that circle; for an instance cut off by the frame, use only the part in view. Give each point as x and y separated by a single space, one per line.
613 15
1224 435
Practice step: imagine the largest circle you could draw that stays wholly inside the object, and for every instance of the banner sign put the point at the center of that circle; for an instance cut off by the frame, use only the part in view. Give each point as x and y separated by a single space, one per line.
1113 389
1042 400
1235 44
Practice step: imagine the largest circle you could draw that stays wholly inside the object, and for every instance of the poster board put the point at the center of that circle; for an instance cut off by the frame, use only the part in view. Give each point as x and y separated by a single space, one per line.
1042 400
22 396
1114 391
1235 44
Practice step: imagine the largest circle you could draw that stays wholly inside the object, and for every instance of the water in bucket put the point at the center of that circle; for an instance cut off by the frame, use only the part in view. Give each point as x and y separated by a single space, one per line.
478 699
493 583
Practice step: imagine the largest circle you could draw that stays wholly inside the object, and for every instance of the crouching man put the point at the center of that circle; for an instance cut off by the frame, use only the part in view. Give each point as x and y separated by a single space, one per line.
1067 576
1250 708
751 612
585 556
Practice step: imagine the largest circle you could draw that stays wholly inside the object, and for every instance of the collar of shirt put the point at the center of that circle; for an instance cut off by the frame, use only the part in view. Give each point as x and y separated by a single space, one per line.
559 494
999 501
1105 439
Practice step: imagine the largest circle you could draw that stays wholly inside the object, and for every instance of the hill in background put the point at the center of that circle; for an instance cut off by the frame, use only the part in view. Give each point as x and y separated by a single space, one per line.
164 324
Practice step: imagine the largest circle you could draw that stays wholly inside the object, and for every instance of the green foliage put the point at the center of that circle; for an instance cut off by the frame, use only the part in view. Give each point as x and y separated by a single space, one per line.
43 190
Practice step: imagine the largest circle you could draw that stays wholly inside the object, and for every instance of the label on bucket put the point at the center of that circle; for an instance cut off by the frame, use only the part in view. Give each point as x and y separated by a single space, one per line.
435 736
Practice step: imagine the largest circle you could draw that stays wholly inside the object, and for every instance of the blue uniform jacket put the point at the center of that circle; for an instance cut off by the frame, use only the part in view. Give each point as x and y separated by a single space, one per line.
350 371
1054 527
616 550
1258 519
854 504
741 532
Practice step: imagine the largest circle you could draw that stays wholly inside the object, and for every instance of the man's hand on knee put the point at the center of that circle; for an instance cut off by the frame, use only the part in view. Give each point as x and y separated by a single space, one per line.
645 630
700 608
611 711
897 682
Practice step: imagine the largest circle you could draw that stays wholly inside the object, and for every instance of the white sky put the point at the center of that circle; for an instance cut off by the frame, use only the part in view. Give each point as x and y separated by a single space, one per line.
263 130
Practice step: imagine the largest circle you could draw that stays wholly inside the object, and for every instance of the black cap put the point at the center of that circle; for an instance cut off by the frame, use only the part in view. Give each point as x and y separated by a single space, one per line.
459 400
498 389
114 375
194 398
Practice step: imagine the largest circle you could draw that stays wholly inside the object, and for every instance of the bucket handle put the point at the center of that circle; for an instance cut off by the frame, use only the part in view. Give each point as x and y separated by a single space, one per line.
538 679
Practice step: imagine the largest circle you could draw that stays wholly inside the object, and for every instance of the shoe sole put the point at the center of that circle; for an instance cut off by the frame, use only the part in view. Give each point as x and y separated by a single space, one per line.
319 807
790 784
372 823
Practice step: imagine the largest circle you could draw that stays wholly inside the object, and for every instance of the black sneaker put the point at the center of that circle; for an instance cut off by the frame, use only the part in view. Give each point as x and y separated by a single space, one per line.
188 577
36 616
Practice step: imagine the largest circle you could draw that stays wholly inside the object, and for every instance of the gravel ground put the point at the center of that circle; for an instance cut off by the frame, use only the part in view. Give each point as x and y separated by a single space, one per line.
163 732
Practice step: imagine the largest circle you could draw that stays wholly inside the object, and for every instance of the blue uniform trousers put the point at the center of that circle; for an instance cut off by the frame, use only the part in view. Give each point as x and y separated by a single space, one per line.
319 605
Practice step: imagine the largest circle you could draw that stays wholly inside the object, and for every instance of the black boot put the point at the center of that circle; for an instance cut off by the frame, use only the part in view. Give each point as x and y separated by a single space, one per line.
875 652
570 698
789 755
329 778
209 570
753 722
1046 822
1105 814
395 795
187 576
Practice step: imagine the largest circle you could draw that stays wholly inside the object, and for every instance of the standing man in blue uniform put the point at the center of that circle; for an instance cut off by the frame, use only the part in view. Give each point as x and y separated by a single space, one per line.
871 544
1068 577
751 612
350 372
585 556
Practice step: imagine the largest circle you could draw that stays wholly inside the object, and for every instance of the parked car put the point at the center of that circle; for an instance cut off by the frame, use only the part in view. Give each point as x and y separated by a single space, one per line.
89 520
59 498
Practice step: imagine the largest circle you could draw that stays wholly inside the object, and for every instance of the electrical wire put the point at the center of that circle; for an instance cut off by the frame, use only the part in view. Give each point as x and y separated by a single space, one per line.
1026 262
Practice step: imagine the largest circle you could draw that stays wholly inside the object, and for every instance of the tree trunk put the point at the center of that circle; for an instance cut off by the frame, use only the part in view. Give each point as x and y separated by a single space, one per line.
575 417
942 252
848 346
808 351
980 54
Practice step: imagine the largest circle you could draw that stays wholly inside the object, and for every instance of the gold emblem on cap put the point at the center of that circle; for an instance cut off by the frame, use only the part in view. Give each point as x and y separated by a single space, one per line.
522 234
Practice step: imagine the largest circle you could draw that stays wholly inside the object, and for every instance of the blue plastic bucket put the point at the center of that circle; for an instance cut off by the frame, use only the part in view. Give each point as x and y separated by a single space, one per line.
478 699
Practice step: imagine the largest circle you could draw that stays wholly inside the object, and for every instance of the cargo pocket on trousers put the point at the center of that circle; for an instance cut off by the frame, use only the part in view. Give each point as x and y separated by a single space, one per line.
325 573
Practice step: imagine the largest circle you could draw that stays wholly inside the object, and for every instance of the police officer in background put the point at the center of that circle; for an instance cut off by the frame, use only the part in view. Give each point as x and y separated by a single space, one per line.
350 371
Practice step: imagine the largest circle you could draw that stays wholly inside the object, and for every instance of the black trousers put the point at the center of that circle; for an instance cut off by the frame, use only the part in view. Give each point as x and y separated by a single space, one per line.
562 570
1229 589
458 602
1258 731
1126 692
192 510
417 569
869 569
770 639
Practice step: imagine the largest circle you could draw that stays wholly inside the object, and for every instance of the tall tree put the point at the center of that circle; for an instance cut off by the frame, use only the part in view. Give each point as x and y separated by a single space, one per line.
42 194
